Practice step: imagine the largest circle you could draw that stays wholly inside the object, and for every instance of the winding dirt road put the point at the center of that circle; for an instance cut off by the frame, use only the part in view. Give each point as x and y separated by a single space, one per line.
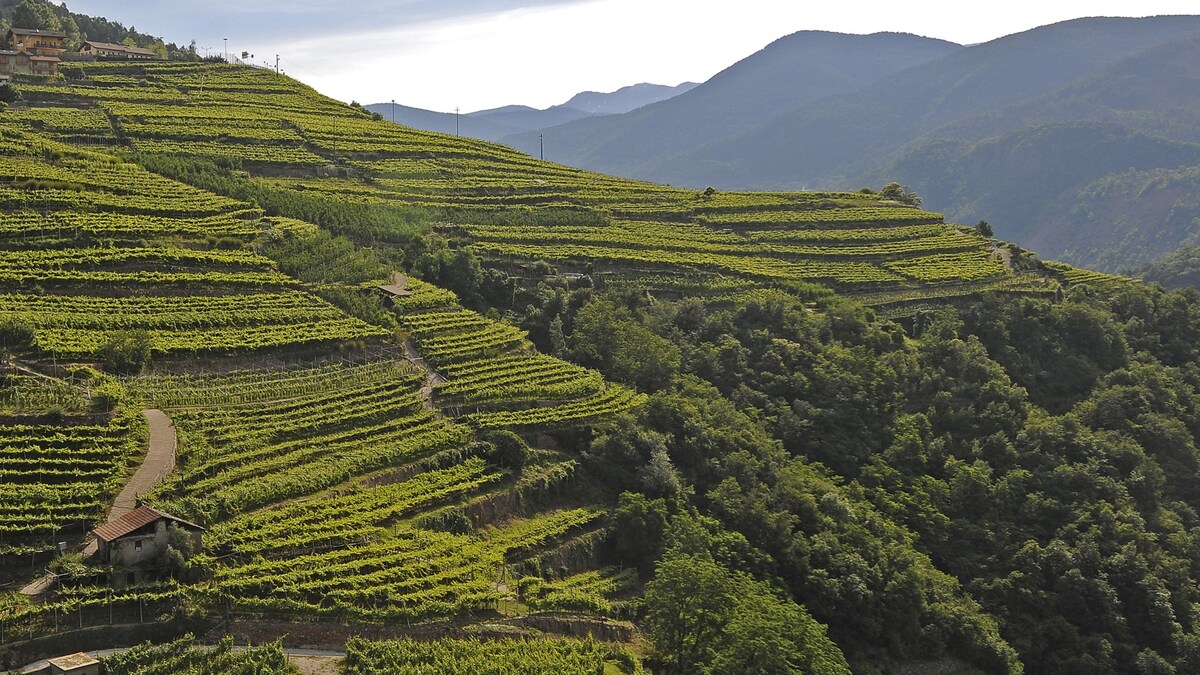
159 461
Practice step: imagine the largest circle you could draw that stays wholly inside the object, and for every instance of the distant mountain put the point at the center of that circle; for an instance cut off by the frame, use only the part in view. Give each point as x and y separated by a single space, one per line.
1020 131
496 123
837 138
794 70
1102 172
625 99
445 123
524 118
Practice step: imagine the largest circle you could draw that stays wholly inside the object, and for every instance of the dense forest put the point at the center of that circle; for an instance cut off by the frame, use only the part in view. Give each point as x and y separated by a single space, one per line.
1043 456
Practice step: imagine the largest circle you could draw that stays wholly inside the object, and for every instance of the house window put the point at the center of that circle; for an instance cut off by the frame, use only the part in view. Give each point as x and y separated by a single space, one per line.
137 545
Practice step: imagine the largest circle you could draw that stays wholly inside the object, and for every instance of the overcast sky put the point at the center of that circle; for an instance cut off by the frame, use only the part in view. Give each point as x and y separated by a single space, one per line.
476 54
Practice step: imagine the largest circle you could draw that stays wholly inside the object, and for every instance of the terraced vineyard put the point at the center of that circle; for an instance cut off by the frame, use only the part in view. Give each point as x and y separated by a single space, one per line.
91 246
325 497
184 656
490 373
857 243
400 489
468 656
330 490
54 476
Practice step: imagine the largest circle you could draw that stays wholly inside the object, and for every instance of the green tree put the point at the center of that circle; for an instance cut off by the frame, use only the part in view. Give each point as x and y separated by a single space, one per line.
127 352
984 229
511 451
455 269
174 560
900 193
687 606
639 526
611 339
558 340
769 635
74 38
706 618
35 15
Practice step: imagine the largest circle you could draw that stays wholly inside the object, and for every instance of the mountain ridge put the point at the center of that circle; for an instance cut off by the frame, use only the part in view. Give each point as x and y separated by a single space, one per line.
493 124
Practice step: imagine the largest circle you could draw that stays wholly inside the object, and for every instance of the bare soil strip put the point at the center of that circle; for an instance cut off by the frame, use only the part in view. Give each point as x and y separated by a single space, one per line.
159 461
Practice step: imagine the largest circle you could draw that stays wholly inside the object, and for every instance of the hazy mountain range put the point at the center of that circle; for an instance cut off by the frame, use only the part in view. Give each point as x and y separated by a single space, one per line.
497 123
1078 139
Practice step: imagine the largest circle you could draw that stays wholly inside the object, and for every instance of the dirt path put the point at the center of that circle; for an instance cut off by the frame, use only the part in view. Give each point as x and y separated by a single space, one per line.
1005 257
159 461
307 661
432 379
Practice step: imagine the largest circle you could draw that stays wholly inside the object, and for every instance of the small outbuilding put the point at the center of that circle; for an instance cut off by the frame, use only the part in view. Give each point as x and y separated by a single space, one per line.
71 664
398 286
135 540
13 61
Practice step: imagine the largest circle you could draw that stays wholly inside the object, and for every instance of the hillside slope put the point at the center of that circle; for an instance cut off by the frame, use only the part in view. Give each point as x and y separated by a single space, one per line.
309 438
586 403
417 449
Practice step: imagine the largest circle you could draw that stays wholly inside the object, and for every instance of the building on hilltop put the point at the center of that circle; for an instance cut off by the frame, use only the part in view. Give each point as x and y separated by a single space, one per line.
135 541
39 42
34 52
110 50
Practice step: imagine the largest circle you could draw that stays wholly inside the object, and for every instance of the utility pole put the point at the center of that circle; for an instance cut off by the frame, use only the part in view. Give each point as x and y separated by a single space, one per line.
226 49
541 147
393 111
276 64
455 120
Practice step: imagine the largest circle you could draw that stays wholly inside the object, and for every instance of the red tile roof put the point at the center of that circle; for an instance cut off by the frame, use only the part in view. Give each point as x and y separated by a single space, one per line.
135 520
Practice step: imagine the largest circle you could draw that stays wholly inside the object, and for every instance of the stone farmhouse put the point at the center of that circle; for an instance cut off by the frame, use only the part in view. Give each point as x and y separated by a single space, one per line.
134 541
